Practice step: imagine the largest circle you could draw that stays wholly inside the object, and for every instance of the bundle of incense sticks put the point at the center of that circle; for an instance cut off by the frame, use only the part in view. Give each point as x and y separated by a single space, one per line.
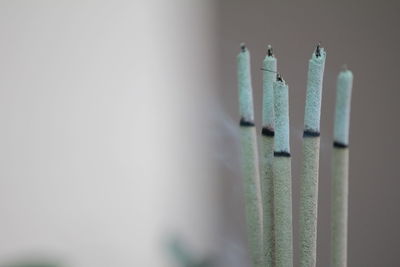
268 183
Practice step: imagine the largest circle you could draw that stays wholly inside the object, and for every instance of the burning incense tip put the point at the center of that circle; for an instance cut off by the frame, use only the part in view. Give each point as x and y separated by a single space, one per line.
318 50
270 52
243 47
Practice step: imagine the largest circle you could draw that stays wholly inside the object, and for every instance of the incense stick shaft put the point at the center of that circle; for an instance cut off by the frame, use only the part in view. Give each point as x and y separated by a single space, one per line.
267 139
339 206
250 164
252 192
311 146
340 171
283 212
267 192
309 201
282 178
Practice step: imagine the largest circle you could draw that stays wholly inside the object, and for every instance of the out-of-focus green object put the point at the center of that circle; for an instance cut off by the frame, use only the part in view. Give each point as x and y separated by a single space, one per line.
184 258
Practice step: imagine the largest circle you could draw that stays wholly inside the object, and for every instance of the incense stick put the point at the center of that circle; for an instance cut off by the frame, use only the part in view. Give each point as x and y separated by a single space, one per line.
340 169
282 179
250 165
267 148
311 147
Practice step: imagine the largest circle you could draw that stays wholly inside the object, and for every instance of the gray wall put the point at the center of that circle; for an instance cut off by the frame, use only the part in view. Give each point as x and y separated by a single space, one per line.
364 35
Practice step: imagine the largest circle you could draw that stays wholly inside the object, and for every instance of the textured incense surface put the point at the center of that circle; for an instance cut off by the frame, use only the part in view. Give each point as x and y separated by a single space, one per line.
339 196
283 212
281 111
312 114
269 76
342 111
244 85
340 170
267 152
252 190
311 146
309 201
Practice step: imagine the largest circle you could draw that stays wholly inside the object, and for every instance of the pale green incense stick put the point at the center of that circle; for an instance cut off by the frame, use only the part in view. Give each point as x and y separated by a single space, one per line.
282 178
267 149
340 169
250 165
311 147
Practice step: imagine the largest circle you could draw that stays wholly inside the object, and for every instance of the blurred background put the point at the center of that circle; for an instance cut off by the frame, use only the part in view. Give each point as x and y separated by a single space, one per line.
119 127
363 35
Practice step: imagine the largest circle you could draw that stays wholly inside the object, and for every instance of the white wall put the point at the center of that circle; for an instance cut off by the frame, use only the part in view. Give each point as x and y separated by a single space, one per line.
102 156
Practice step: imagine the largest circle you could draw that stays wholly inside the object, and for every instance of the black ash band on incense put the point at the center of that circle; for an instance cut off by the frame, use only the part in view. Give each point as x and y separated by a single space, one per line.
265 131
311 133
340 145
246 123
281 154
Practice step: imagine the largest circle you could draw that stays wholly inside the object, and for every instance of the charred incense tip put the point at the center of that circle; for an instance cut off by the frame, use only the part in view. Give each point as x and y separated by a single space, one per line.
243 47
270 52
318 50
